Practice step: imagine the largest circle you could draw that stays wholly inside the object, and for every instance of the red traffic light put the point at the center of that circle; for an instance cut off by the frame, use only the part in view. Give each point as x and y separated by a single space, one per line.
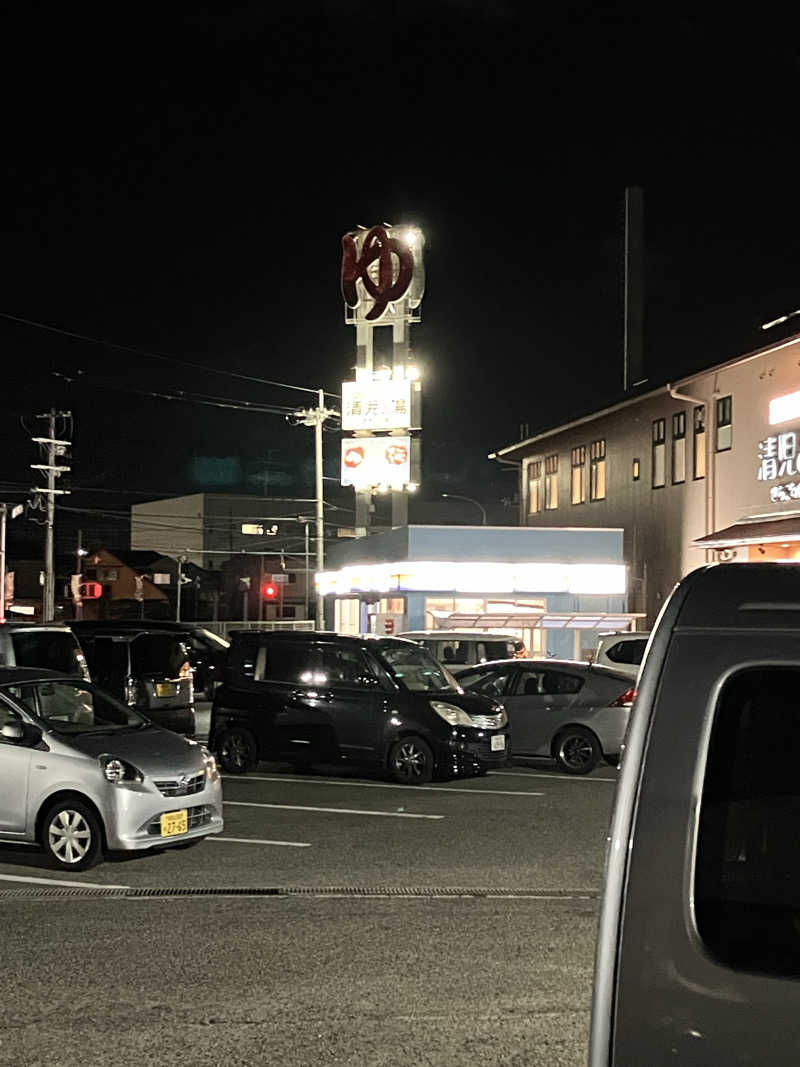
90 590
269 591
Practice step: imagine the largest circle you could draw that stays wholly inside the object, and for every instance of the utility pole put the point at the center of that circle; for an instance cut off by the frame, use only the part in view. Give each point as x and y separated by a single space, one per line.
181 561
55 448
316 417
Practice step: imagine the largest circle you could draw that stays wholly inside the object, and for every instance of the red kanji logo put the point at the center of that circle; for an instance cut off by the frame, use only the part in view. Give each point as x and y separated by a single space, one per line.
377 245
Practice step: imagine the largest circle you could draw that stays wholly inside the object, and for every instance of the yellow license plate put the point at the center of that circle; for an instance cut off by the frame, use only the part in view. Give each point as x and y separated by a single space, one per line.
174 822
166 689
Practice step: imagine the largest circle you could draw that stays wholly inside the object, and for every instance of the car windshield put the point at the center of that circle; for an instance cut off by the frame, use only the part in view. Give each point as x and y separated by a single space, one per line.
71 708
414 668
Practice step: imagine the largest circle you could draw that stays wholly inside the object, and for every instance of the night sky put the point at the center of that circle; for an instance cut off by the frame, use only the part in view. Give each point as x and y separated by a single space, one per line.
179 184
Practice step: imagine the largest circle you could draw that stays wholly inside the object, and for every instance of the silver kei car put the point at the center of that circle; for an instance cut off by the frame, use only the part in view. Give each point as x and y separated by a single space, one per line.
80 772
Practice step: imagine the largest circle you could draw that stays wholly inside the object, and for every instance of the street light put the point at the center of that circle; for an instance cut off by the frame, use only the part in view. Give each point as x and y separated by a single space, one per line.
469 499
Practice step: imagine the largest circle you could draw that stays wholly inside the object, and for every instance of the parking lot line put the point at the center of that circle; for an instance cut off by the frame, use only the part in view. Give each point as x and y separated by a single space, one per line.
260 841
66 885
335 811
377 785
562 777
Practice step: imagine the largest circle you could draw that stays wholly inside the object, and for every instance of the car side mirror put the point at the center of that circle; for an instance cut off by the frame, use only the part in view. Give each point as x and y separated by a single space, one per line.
13 731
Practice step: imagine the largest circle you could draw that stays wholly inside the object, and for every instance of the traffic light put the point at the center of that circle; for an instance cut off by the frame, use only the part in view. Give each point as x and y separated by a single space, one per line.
269 591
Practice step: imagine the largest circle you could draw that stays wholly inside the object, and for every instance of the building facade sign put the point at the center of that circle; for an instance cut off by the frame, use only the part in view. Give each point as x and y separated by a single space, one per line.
376 405
778 457
381 268
376 462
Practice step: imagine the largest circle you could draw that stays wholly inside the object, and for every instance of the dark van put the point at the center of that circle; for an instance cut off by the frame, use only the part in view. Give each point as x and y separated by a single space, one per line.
308 698
148 670
698 959
50 645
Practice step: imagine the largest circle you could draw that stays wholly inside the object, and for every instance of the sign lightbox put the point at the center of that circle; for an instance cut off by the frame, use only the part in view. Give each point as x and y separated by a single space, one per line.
372 462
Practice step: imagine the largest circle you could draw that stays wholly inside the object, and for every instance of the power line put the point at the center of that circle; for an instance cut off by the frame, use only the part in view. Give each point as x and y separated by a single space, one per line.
155 355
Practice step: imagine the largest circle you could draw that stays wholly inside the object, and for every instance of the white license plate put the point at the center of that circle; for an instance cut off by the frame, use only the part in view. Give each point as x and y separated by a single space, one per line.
166 689
498 743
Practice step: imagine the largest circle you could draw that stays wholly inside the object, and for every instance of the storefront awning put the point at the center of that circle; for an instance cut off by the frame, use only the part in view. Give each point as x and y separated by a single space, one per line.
755 532
546 620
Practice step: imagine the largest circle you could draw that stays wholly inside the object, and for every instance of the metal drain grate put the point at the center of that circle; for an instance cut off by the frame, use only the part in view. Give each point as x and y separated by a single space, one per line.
58 892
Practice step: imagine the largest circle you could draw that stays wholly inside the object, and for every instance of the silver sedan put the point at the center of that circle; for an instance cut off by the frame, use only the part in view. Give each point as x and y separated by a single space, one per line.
574 713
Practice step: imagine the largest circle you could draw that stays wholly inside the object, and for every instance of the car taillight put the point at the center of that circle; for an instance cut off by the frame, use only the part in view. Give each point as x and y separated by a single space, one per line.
625 700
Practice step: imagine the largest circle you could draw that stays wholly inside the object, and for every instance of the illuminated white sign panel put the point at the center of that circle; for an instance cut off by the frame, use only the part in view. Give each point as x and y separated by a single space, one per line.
372 462
784 408
778 456
376 405
600 579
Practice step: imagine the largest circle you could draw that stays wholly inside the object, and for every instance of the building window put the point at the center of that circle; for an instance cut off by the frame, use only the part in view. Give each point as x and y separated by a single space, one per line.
700 442
597 470
578 461
637 469
659 452
724 423
535 487
678 447
551 483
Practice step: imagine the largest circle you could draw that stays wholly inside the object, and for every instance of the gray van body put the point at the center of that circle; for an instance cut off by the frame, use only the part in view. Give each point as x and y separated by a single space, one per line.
664 991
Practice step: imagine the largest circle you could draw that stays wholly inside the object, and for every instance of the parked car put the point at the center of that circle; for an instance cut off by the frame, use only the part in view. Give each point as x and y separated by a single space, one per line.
208 652
147 669
575 713
462 648
309 698
622 651
48 645
699 942
82 772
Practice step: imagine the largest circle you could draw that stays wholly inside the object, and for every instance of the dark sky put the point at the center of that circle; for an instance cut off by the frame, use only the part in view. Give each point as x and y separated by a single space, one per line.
179 183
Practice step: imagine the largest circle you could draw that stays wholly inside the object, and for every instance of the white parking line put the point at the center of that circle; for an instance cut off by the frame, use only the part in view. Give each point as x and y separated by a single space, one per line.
377 785
259 841
67 885
335 811
562 777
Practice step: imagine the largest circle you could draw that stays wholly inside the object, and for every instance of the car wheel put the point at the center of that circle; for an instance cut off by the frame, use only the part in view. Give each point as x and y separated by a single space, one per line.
411 761
577 750
237 751
72 836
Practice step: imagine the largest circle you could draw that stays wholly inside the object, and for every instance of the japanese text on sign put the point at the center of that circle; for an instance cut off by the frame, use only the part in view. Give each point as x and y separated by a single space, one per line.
778 456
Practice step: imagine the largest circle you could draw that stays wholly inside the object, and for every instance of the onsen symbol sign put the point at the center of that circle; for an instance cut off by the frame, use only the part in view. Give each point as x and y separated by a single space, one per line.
395 269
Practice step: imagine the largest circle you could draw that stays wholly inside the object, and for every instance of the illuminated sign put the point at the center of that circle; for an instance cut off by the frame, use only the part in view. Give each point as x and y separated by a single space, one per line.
377 405
784 408
380 268
778 456
579 579
374 462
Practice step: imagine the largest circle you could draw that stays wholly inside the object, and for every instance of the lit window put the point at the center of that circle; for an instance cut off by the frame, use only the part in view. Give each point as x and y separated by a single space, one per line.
724 423
597 472
637 469
659 452
578 462
534 487
700 442
678 447
551 483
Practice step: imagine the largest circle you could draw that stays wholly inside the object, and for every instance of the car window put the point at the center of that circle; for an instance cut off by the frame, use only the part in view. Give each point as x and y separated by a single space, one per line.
451 652
297 664
347 666
491 682
75 709
414 668
630 652
56 650
489 650
542 682
158 654
747 870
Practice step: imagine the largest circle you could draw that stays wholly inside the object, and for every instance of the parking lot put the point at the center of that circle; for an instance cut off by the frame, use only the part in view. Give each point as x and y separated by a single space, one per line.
396 924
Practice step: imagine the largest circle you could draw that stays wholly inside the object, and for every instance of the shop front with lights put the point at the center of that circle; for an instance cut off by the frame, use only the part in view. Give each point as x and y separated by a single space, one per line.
556 589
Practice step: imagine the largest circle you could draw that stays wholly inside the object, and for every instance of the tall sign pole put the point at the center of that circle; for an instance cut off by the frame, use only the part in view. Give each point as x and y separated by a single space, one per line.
383 282
320 504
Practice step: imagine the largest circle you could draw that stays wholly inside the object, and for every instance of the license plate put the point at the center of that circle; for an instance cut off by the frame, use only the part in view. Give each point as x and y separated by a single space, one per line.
498 742
166 689
174 822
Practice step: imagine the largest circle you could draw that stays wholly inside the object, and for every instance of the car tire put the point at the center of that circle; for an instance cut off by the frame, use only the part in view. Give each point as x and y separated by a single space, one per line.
71 835
236 749
577 750
411 761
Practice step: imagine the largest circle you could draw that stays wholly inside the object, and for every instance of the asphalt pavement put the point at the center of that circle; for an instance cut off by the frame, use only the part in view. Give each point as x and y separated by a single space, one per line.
385 925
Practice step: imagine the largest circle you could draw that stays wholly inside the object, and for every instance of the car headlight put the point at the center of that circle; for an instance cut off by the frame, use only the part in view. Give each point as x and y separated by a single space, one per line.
212 770
450 713
119 771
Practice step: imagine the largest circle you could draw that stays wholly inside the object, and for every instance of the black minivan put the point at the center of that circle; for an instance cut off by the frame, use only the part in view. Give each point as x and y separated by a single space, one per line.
309 698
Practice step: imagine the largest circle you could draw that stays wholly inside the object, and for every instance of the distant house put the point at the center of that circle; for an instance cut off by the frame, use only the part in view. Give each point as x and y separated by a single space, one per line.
133 585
